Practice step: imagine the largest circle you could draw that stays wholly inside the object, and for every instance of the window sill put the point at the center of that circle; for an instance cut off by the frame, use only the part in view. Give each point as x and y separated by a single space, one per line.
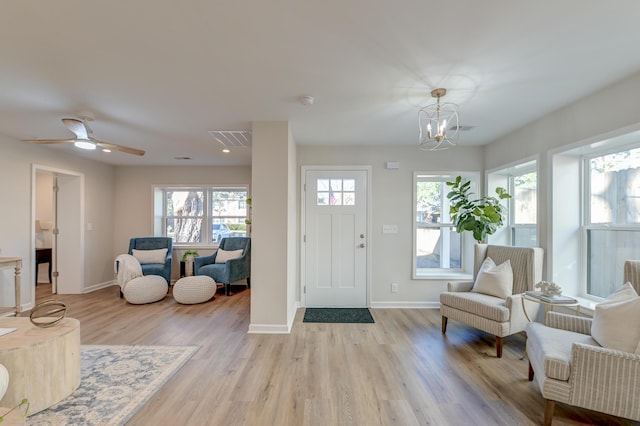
587 306
444 276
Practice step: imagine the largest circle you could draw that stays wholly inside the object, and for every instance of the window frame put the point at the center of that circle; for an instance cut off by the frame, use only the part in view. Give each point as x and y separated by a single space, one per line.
505 177
586 223
465 271
513 226
208 219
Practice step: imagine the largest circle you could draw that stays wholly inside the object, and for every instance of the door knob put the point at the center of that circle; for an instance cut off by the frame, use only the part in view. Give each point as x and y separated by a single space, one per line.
362 245
361 235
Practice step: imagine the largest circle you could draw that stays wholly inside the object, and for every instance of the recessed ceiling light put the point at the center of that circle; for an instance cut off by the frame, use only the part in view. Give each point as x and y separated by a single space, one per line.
226 151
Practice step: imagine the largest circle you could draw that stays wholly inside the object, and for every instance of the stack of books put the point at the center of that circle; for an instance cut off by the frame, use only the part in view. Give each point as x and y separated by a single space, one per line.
551 299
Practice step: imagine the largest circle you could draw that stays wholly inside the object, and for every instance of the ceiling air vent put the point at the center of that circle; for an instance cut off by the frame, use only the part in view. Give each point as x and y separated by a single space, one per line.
461 128
232 138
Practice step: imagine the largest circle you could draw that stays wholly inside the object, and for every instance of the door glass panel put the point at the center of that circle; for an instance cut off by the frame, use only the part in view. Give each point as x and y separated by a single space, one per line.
323 184
323 199
349 198
348 185
336 192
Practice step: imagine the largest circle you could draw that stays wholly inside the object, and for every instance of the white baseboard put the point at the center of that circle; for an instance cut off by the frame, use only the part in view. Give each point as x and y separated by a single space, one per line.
276 328
405 305
26 306
269 329
98 286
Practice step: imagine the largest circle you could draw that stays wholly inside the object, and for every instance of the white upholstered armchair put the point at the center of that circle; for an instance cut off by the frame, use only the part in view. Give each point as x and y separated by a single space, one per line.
584 362
501 315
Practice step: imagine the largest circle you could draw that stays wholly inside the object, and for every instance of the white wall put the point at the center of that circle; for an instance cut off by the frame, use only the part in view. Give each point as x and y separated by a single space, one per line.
16 237
392 204
133 213
272 242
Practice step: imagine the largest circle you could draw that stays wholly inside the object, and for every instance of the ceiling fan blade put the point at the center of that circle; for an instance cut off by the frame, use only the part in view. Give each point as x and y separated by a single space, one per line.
77 127
120 148
48 141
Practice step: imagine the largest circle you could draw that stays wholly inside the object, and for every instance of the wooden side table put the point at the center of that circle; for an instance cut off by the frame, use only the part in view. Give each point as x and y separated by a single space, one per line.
43 363
13 262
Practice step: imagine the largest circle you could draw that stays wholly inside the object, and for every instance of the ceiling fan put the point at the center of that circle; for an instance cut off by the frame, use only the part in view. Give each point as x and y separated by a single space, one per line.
84 139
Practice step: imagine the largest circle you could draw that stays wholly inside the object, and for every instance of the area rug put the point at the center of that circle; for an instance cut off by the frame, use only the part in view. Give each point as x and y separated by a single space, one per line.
115 382
338 315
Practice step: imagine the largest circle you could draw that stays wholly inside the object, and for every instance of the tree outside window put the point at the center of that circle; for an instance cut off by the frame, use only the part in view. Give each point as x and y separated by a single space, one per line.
437 246
204 215
613 220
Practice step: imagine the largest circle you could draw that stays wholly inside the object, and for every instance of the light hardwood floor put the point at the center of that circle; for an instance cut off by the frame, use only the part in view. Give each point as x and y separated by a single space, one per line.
399 371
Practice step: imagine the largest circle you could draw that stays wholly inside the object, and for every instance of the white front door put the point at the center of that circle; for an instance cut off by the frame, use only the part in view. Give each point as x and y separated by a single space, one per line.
335 238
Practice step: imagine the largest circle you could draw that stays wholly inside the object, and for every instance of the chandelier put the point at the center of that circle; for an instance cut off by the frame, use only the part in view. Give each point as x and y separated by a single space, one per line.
438 124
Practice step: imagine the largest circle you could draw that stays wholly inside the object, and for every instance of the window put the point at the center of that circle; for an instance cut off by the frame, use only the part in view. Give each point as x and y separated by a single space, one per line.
521 183
202 215
523 208
437 246
612 219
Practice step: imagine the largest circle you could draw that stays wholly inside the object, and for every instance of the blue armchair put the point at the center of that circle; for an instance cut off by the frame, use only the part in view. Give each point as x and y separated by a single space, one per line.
154 243
230 271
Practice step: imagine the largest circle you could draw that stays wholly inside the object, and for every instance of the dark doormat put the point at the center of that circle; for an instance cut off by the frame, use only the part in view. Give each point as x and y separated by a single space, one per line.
338 315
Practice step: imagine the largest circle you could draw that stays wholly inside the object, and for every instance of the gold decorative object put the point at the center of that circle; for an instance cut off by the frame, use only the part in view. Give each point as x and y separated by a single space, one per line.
48 313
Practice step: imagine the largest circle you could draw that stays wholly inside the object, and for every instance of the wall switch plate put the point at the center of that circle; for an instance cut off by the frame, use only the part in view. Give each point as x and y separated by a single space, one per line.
394 287
389 229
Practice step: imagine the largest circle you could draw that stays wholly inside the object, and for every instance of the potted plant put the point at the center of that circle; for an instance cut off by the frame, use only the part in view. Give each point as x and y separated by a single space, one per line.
247 221
187 258
481 216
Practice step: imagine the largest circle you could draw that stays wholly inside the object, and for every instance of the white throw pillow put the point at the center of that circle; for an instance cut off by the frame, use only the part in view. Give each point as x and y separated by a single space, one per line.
625 292
224 255
150 256
615 321
494 280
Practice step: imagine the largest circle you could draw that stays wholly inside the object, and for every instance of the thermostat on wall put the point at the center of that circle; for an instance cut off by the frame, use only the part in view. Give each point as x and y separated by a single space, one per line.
393 165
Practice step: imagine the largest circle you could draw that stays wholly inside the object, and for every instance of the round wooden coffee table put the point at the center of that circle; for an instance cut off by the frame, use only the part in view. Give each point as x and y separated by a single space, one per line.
43 363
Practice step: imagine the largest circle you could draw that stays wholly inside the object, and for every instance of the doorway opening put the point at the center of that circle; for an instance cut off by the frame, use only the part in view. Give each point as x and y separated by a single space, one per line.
57 230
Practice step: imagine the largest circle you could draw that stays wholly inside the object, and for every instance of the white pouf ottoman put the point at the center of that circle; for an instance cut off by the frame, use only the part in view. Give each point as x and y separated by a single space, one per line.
195 289
145 289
